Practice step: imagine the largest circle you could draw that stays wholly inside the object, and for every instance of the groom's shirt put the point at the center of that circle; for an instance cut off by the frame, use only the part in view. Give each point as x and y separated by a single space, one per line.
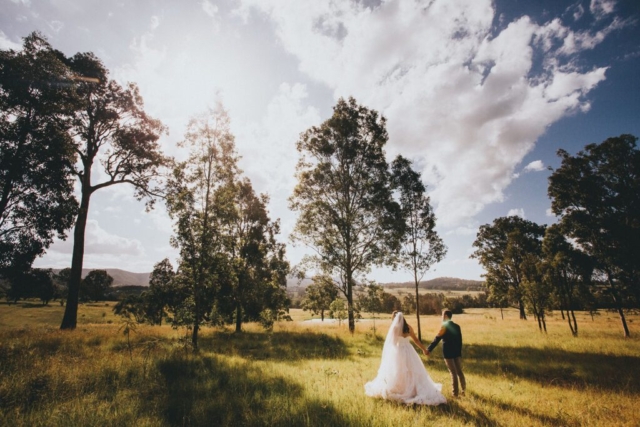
451 337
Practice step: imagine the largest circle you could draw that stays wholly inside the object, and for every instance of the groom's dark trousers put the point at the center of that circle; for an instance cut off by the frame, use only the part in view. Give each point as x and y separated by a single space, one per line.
451 337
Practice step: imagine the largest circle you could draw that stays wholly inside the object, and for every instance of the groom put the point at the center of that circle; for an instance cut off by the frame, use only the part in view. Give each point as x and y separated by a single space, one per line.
451 337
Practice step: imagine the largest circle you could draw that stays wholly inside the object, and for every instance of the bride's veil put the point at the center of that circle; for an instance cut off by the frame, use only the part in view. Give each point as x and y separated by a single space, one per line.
389 363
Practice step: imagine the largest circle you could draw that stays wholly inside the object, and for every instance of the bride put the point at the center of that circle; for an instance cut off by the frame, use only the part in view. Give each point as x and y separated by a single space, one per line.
402 376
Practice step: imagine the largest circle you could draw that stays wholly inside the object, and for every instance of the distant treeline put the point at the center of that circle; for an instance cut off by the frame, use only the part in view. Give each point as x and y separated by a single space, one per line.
442 283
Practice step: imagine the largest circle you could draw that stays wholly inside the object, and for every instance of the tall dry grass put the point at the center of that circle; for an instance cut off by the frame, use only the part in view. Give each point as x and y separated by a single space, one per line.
309 374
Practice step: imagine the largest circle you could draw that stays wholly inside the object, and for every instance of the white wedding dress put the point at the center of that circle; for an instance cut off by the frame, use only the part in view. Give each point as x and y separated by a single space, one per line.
402 376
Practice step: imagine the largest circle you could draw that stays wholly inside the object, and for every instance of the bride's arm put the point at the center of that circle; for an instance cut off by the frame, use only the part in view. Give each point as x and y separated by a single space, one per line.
416 340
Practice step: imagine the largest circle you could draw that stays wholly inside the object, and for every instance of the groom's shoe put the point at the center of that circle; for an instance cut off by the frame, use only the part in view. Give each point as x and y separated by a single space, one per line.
462 393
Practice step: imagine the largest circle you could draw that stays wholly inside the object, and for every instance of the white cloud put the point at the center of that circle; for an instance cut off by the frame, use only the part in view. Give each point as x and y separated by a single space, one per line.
155 22
6 43
516 212
578 11
535 166
549 213
464 98
100 242
209 8
463 231
602 8
26 3
56 26
270 147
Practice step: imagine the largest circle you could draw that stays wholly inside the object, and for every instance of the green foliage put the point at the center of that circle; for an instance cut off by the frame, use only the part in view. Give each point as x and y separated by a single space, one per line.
96 286
319 295
338 310
422 247
596 193
344 196
36 156
501 249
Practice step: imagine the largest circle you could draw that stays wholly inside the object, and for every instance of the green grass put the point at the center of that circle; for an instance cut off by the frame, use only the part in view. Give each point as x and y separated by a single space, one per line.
308 374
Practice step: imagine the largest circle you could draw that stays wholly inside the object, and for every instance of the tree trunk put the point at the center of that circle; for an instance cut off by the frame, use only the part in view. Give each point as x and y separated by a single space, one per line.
573 324
501 313
523 314
415 279
624 322
70 318
194 334
322 315
352 321
238 318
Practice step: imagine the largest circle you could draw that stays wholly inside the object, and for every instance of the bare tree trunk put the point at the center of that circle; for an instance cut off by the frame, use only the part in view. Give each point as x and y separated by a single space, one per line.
70 318
352 321
523 314
573 323
415 279
238 317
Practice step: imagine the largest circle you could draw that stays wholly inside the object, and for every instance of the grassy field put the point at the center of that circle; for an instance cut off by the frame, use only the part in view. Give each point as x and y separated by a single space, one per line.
307 374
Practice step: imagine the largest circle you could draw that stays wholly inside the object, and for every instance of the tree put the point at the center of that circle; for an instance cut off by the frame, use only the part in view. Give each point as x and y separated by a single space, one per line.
537 292
421 246
109 127
257 259
337 310
36 156
319 295
160 293
96 286
501 250
596 194
567 270
200 201
344 196
32 283
371 300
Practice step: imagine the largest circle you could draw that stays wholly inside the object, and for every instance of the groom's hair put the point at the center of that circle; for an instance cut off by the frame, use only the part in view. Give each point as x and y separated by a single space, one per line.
447 313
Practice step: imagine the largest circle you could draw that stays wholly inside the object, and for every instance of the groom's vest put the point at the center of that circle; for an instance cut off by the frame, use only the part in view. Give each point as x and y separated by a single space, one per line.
451 337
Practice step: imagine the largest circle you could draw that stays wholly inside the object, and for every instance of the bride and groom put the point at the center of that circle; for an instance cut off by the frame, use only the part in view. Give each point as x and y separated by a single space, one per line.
403 377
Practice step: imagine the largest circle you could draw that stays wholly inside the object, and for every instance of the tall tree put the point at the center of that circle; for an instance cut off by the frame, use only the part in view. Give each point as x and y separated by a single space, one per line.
200 201
568 271
501 250
596 194
257 259
109 127
319 295
36 156
422 247
344 196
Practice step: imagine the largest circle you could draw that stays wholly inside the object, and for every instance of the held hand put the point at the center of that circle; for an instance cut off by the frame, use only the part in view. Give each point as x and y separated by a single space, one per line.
426 352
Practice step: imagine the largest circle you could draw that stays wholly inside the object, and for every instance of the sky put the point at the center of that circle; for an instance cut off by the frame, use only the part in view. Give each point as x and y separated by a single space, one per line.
479 94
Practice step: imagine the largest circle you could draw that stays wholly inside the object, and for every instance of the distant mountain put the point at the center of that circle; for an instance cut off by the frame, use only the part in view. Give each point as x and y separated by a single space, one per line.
441 283
121 277
127 278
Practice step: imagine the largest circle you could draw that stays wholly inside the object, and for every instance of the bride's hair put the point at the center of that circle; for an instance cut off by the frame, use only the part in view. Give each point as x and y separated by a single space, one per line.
405 325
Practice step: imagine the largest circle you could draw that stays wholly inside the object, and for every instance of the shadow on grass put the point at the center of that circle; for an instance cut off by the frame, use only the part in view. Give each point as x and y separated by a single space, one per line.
555 367
207 391
543 419
283 346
